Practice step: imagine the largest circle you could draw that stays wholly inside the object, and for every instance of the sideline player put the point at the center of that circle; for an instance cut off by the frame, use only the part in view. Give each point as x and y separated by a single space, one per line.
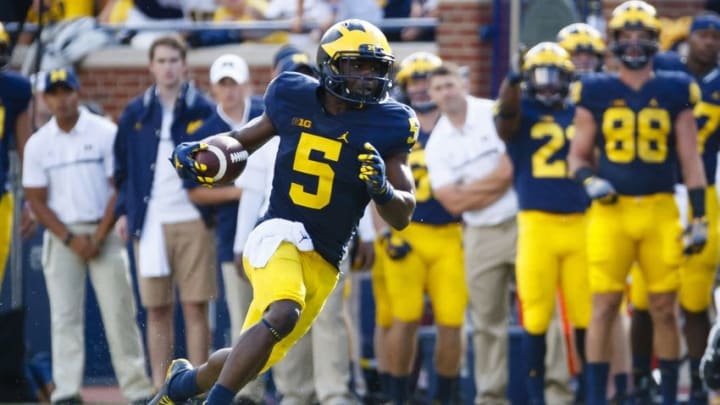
644 126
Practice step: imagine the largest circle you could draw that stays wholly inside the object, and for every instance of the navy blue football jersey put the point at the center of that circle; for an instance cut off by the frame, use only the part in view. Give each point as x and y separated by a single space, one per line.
316 171
428 210
635 134
15 96
539 154
707 110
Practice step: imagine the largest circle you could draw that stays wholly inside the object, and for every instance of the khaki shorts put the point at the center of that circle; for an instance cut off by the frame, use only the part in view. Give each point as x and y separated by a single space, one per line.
191 255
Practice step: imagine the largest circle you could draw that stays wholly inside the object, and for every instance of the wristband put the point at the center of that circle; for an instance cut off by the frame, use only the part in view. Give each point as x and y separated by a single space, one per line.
385 197
697 202
583 174
68 238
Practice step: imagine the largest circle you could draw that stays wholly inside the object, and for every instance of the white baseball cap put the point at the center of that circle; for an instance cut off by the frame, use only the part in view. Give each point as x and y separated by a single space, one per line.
231 66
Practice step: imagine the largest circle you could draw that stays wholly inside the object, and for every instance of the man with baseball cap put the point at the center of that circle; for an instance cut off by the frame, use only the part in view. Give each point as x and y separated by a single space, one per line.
231 89
67 178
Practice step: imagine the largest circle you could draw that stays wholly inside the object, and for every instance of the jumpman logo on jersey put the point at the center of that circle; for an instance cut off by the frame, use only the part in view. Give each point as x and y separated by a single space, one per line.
344 137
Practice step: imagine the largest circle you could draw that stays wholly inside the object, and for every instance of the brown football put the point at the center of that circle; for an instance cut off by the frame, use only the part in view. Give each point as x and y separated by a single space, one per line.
225 158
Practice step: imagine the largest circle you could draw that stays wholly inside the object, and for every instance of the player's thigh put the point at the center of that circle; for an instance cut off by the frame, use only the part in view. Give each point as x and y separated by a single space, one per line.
383 314
610 250
446 282
320 278
537 270
405 279
6 216
660 249
697 273
638 288
574 272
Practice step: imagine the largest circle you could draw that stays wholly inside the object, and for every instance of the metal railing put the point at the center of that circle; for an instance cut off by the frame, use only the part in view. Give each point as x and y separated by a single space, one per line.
263 25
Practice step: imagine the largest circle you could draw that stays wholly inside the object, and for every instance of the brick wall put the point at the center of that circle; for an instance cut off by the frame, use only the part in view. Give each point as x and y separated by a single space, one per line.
458 40
113 88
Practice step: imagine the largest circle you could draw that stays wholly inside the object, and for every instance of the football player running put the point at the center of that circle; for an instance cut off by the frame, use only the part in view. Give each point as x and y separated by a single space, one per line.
643 125
537 125
342 143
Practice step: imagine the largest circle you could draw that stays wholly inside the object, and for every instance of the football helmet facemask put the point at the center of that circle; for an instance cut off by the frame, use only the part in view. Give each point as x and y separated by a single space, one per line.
634 15
417 66
355 61
547 72
581 38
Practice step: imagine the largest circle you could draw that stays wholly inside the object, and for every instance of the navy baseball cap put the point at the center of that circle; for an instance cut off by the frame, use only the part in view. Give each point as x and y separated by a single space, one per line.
290 58
61 77
705 22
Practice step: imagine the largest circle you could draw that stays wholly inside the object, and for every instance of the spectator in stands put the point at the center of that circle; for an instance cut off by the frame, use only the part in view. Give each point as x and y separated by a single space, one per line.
471 174
67 176
173 245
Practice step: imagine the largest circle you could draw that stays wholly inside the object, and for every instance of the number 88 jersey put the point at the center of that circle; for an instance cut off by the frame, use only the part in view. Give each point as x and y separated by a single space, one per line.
635 134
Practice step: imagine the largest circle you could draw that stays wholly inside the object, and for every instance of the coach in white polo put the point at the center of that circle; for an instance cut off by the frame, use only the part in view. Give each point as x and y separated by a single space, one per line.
67 174
471 174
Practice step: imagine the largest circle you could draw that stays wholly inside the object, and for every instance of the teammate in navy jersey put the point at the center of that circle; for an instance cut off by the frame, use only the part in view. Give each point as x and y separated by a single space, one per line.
697 272
537 126
15 97
342 143
643 127
425 257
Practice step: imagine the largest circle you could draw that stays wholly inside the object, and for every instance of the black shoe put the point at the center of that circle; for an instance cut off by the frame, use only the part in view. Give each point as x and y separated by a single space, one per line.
74 400
162 397
244 401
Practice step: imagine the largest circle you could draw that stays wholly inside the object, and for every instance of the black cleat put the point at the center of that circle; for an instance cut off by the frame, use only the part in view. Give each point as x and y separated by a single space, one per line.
162 397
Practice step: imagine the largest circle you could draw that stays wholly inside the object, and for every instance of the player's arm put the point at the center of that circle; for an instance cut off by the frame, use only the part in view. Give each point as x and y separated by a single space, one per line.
477 194
397 207
255 133
507 108
694 177
688 153
252 136
582 156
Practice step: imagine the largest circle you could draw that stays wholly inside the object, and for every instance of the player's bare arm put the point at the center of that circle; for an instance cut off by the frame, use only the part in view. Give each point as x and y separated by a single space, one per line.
255 133
477 194
582 146
398 211
687 146
693 173
507 109
582 156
